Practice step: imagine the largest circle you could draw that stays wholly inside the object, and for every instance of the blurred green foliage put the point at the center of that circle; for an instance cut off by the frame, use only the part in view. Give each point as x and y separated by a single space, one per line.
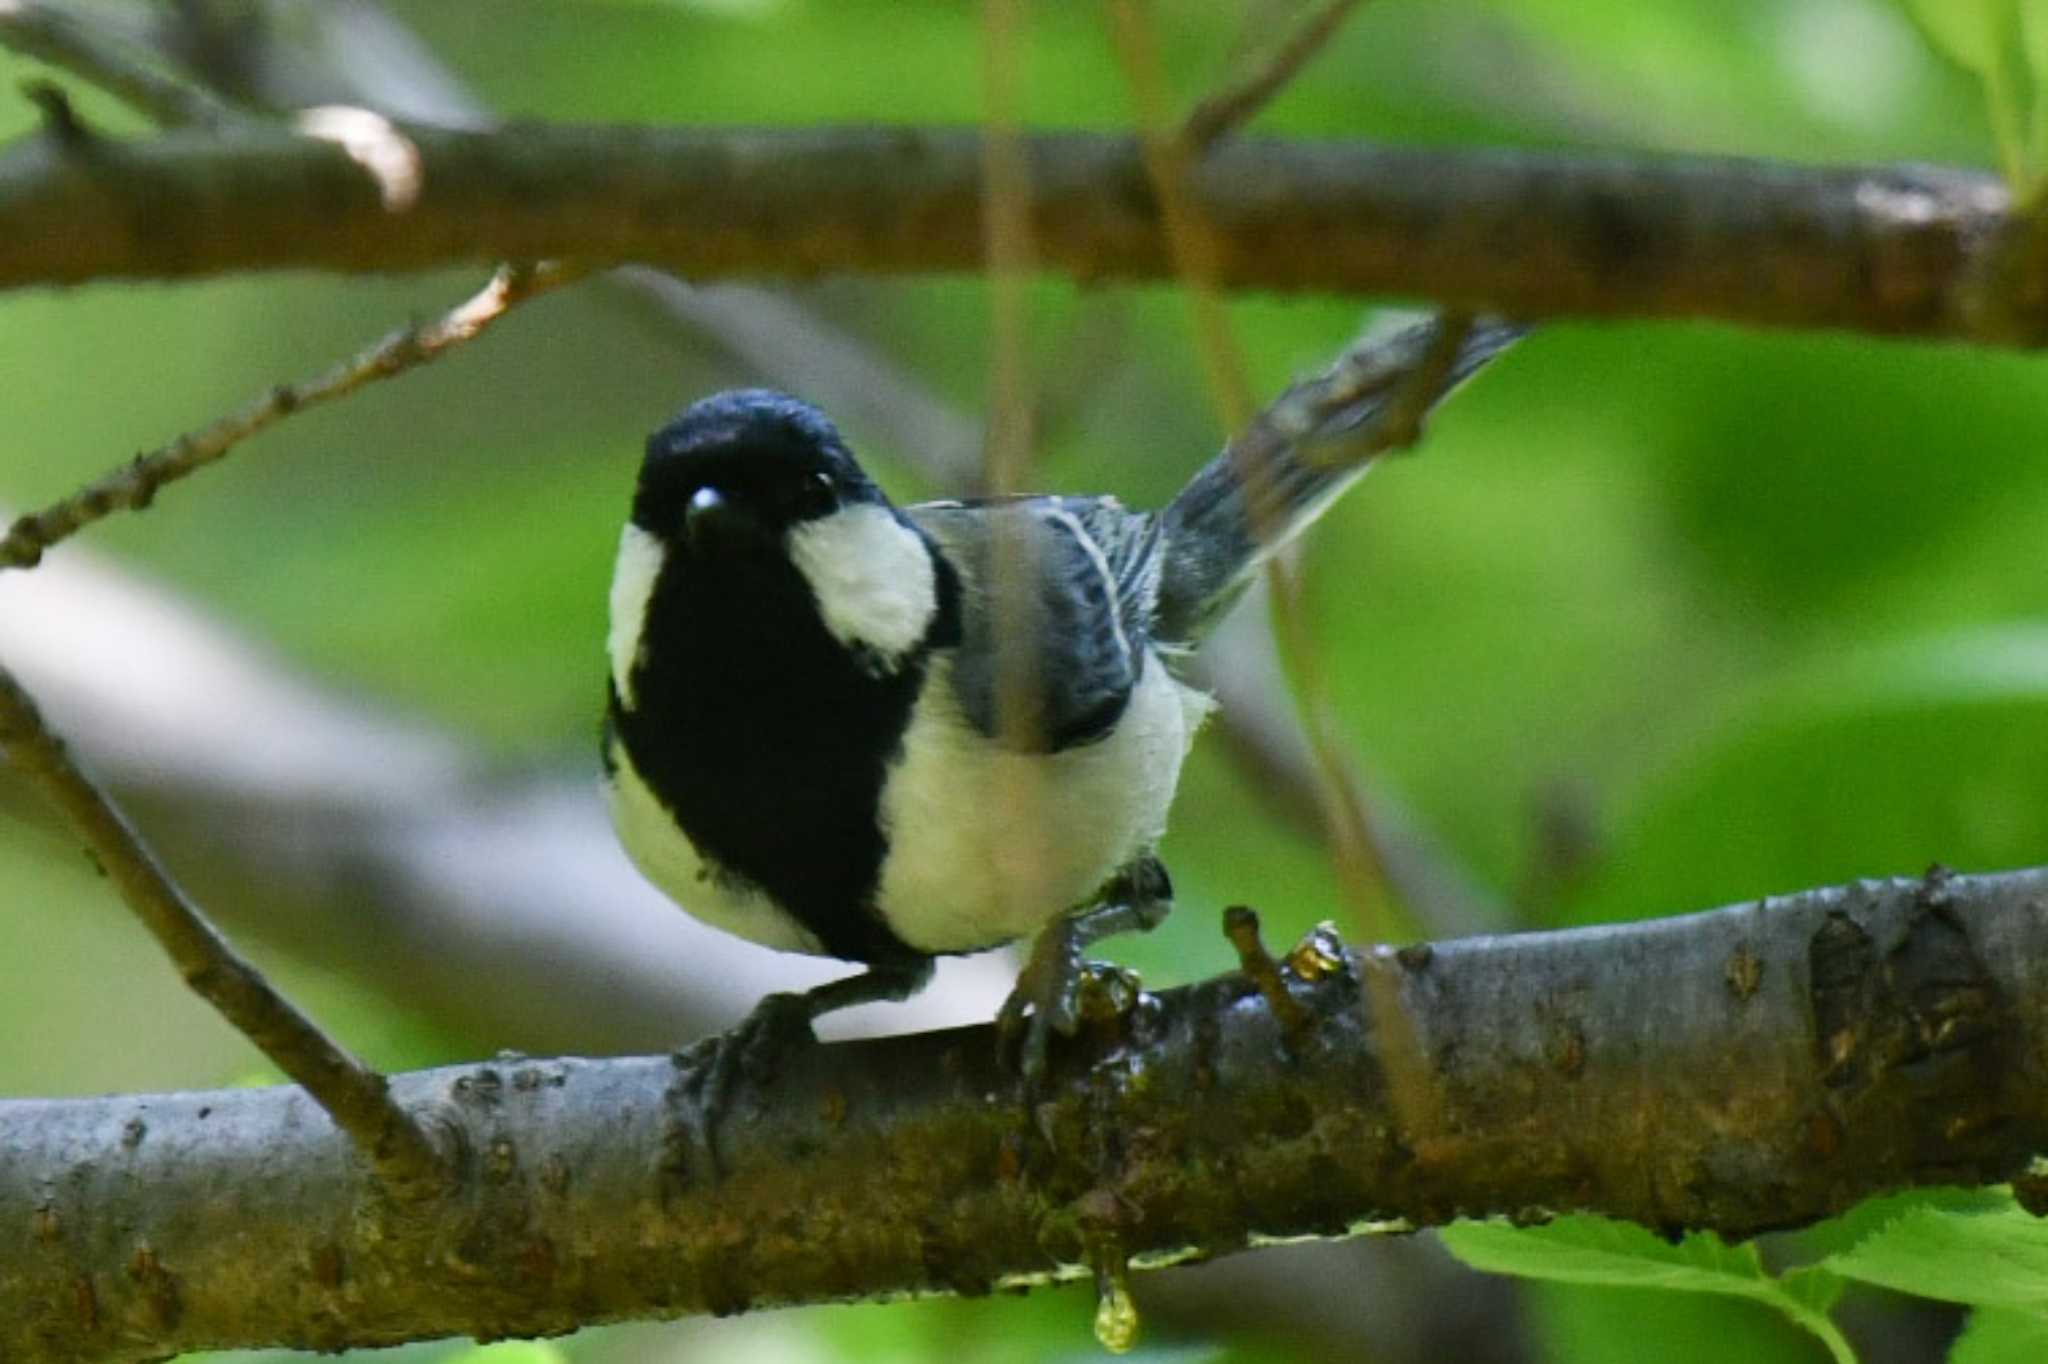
1751 612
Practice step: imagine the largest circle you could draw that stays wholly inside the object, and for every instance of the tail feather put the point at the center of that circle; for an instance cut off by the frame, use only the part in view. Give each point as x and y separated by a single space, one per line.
1294 461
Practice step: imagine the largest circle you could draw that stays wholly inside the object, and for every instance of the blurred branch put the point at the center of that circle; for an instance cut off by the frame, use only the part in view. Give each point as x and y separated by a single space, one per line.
134 485
53 34
384 848
1755 1067
1223 112
1527 233
354 1096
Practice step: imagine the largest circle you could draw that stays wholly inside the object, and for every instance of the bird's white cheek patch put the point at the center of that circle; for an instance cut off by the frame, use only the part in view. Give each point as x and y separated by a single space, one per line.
639 564
872 577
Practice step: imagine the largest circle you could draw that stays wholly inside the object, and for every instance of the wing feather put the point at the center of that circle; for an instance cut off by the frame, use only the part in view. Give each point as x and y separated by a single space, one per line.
1053 666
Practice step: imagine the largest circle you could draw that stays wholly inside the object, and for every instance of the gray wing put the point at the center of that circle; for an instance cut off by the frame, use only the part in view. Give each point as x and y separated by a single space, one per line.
1057 597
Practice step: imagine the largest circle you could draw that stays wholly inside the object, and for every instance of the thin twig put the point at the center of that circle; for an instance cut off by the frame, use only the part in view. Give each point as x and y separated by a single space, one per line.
1401 426
1006 169
52 34
133 485
1008 432
1190 240
60 120
1371 399
1241 927
1360 876
355 1096
1230 108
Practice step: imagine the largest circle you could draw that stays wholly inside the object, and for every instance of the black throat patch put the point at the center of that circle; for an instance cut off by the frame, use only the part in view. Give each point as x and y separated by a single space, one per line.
768 740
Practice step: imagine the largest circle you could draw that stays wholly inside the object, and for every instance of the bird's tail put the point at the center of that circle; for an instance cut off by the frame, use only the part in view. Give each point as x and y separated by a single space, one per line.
1300 455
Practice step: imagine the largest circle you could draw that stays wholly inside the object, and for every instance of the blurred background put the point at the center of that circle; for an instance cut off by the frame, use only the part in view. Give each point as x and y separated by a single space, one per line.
1659 617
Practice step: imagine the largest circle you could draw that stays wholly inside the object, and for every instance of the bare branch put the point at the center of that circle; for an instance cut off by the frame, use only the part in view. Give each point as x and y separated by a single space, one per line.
1006 216
353 1095
1228 109
1528 234
134 485
52 34
1754 1068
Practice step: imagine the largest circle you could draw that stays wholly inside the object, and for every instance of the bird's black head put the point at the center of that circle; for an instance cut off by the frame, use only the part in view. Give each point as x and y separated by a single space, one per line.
743 462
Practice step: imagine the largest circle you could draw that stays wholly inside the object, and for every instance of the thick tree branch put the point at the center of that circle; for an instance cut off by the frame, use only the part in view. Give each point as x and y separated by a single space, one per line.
1878 249
356 1097
1745 1069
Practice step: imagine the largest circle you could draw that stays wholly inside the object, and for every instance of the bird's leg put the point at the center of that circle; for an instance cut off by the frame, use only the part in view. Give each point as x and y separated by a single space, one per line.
1053 983
781 1022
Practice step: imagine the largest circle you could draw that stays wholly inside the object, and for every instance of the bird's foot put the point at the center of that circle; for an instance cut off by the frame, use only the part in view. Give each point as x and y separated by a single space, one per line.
1060 992
750 1050
780 1025
747 1054
1058 989
1046 1000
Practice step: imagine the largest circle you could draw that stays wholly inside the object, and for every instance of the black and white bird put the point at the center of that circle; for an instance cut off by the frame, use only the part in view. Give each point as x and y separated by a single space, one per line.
884 734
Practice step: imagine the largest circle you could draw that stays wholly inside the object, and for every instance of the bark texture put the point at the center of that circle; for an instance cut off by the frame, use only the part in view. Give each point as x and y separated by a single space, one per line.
1749 1068
1894 250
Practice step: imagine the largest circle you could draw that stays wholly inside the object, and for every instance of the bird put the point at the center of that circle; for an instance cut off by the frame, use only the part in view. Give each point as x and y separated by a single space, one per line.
885 734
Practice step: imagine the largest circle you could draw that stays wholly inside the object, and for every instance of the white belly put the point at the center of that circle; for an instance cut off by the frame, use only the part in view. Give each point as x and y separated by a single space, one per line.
670 861
986 846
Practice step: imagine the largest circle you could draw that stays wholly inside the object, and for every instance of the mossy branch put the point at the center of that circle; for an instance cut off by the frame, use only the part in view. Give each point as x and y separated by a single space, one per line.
1744 1069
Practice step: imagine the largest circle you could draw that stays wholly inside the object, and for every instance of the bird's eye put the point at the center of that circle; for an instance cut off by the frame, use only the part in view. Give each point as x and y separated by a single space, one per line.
816 494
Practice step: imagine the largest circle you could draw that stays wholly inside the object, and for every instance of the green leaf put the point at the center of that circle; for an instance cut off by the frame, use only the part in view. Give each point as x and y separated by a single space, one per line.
1866 762
1986 37
1815 1287
1589 1324
1986 1257
2033 27
1841 1234
2001 1336
1597 1250
1970 33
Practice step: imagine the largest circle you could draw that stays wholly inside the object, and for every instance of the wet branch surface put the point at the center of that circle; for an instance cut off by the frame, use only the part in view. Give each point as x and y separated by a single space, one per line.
1744 1069
1891 249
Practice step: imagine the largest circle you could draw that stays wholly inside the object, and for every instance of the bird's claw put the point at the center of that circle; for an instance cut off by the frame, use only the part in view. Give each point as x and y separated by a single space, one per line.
749 1052
1056 993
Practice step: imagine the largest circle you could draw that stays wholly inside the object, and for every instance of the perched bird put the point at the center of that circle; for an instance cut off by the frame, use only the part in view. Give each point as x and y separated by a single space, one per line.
884 734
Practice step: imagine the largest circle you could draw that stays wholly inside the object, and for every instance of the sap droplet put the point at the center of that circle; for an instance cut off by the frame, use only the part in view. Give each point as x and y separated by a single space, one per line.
1320 953
1116 1315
